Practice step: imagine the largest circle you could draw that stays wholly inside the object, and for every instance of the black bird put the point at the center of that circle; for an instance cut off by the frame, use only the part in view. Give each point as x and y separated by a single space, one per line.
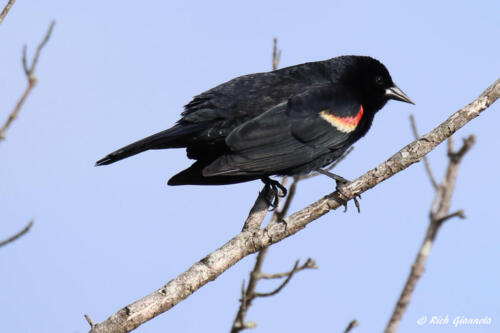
290 121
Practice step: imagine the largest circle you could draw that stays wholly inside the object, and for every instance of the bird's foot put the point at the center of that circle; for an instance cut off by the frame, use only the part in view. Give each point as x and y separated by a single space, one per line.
340 183
273 190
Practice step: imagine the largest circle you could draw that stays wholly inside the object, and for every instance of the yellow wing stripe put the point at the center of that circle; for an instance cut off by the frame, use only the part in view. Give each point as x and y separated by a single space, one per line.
343 124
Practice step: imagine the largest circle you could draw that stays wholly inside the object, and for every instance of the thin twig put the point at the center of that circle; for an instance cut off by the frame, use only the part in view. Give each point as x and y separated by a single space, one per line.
17 235
439 213
310 263
30 76
282 285
30 71
13 115
89 320
248 295
426 161
296 268
459 213
247 242
354 323
276 54
467 144
279 214
5 11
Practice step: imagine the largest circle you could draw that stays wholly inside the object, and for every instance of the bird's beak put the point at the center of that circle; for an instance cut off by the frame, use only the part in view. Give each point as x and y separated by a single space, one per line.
395 93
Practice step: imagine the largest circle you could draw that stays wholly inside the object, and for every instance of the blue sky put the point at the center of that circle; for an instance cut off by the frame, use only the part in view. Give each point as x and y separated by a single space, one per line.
117 71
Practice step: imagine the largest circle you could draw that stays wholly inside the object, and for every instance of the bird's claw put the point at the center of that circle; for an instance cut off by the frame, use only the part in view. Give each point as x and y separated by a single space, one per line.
342 198
272 192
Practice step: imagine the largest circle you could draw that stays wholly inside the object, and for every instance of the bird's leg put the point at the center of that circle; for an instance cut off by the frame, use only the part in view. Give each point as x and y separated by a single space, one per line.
273 190
341 181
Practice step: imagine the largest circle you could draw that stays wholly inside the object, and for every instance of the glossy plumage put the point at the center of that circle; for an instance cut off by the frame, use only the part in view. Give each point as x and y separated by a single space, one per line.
287 122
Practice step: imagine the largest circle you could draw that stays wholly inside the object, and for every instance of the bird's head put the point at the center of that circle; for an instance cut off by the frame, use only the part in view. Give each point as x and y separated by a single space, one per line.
371 79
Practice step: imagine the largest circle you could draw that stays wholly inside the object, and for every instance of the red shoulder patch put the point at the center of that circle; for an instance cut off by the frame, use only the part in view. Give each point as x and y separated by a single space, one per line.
343 124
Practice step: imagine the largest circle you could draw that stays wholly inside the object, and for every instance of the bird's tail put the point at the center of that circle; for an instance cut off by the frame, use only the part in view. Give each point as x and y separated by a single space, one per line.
175 137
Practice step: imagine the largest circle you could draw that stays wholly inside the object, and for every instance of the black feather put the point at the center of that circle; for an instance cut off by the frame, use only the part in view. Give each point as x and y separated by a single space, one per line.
264 124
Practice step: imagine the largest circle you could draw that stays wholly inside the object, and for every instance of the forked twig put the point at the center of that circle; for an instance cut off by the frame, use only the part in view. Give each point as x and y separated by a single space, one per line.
439 213
30 76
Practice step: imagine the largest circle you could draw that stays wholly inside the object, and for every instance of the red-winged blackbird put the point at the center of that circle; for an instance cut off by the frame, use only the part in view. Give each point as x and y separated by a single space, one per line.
286 122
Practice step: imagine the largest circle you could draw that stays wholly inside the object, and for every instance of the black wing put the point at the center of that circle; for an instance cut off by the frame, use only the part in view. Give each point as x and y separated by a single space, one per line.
289 135
253 94
212 115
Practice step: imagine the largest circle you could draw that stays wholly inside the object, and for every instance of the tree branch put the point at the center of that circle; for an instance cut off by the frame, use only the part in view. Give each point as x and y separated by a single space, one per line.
257 213
89 320
17 235
296 268
426 161
352 324
459 213
249 294
6 9
310 263
247 242
30 76
438 216
276 54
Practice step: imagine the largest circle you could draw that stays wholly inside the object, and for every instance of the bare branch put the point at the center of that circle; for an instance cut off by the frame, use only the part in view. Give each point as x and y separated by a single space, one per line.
352 324
466 146
89 320
281 286
449 181
310 263
257 213
13 115
276 54
248 295
450 143
17 235
5 11
296 268
39 48
426 161
279 215
30 76
438 215
247 242
460 213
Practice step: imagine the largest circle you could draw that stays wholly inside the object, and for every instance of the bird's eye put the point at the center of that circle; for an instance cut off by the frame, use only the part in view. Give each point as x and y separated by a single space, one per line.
379 80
